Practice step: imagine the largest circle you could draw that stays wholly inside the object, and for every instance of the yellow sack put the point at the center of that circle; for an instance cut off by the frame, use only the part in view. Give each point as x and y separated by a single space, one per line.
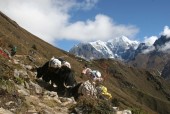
105 93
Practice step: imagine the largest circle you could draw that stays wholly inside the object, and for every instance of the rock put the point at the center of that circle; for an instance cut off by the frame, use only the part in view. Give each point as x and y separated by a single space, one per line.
32 74
16 73
46 109
127 112
34 100
66 101
23 73
20 73
31 59
4 87
124 112
78 110
28 67
23 91
57 100
63 99
32 112
115 108
9 103
26 85
16 61
37 88
4 111
51 93
61 110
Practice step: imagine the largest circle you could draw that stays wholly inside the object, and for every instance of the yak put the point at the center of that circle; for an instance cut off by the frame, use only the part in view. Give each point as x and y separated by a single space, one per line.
62 76
88 88
83 88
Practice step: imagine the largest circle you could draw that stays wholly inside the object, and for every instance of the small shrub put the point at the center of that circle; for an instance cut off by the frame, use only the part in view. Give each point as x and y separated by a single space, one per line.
91 105
18 80
115 102
34 46
138 111
7 85
10 45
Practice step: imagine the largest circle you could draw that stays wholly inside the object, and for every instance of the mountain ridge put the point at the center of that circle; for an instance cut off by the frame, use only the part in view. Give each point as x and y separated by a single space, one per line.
99 49
136 54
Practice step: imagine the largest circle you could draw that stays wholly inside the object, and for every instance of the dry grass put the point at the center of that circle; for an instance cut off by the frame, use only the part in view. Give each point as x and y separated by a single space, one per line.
91 105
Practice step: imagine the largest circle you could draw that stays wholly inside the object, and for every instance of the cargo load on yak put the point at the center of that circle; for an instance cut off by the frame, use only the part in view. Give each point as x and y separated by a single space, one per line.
103 93
93 75
58 62
87 88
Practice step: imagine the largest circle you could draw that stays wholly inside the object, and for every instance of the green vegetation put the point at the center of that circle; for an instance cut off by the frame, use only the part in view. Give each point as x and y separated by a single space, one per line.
18 80
91 105
34 47
138 111
115 102
7 85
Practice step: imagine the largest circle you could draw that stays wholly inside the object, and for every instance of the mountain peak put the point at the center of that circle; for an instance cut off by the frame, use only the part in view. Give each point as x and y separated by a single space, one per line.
114 48
124 41
98 42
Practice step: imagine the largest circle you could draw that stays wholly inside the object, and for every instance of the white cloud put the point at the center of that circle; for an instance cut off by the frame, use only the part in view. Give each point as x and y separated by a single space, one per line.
101 28
165 47
150 41
50 20
149 49
88 4
166 31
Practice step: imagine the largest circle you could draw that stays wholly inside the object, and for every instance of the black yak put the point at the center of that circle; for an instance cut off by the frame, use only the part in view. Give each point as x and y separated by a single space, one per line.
61 76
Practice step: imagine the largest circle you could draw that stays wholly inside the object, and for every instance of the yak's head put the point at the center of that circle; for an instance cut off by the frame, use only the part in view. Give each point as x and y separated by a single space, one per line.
39 72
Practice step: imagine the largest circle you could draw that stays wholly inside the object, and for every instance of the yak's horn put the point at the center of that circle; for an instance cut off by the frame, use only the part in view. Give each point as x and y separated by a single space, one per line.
67 86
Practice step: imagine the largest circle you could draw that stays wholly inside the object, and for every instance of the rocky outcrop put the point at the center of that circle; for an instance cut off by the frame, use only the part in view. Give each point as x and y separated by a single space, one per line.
166 71
31 95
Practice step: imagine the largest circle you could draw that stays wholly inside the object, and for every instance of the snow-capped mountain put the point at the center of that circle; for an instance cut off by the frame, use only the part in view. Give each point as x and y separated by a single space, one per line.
121 48
155 56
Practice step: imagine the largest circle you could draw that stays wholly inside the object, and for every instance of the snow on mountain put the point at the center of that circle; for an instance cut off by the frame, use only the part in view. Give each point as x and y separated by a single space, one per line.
124 42
121 48
102 47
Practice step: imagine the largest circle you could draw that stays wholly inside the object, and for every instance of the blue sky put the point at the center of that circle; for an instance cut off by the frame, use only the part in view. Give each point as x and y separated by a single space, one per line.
65 23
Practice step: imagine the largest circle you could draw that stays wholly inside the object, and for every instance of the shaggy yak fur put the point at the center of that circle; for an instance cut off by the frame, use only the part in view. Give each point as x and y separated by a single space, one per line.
62 77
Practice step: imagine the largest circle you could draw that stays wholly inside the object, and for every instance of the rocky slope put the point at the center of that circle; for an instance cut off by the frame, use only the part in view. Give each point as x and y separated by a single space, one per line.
20 94
154 57
166 71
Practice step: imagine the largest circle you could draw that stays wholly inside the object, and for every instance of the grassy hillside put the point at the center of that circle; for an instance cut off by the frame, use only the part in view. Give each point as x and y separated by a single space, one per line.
140 90
154 60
